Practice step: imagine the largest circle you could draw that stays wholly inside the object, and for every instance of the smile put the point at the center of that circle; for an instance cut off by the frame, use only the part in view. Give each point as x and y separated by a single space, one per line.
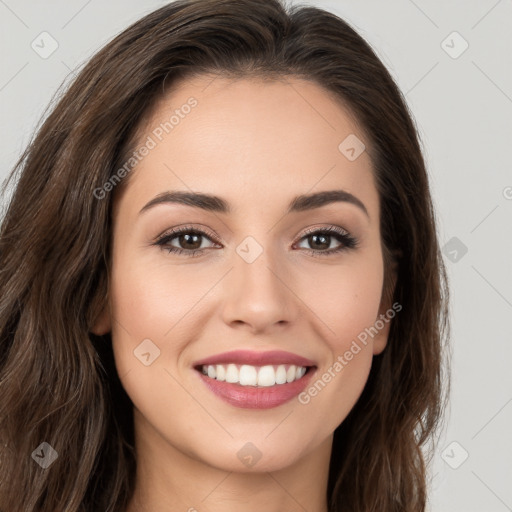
260 385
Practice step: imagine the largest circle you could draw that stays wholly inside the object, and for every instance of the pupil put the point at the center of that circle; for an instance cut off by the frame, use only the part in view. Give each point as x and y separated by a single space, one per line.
188 237
324 243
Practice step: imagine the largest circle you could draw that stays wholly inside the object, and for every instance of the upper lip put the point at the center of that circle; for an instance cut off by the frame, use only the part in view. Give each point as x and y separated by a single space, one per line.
272 357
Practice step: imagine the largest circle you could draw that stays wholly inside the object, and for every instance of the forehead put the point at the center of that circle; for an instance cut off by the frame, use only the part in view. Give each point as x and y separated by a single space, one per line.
256 106
252 137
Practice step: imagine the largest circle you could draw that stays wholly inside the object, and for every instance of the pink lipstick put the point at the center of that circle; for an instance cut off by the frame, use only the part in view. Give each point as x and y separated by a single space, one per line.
256 380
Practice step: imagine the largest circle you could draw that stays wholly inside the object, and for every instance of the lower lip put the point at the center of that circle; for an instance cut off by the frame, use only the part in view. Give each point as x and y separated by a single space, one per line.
251 397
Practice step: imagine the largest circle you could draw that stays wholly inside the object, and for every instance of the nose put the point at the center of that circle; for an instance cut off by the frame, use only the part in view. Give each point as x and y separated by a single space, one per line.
259 295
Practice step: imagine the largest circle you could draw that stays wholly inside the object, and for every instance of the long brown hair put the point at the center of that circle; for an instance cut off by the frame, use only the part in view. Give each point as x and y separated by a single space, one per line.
58 382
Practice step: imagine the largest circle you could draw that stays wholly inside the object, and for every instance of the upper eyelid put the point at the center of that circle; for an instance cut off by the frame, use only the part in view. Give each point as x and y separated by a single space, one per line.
333 229
171 233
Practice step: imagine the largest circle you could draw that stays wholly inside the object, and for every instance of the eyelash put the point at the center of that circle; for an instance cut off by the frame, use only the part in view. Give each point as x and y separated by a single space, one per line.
348 241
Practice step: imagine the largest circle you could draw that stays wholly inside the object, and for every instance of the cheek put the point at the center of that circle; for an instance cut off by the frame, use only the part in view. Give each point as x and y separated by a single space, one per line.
337 385
153 300
335 389
345 299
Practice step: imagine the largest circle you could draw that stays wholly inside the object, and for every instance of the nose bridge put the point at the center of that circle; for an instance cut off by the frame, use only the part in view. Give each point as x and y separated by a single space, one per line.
256 293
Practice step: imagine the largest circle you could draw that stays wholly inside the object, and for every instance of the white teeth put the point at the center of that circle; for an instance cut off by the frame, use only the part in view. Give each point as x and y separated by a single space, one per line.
247 375
280 374
221 372
266 376
299 372
232 374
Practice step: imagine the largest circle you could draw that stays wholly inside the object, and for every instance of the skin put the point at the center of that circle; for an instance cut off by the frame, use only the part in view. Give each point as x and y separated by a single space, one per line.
257 144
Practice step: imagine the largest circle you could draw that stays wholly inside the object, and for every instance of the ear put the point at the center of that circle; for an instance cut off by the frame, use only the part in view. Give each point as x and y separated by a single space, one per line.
386 311
103 323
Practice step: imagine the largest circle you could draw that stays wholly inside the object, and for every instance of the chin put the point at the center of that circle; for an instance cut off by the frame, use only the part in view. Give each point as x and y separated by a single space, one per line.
256 453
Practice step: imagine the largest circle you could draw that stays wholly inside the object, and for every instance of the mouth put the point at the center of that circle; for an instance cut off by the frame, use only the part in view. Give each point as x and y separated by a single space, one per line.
255 380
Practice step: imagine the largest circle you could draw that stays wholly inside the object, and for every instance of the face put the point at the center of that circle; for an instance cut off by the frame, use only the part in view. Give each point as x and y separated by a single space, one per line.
233 319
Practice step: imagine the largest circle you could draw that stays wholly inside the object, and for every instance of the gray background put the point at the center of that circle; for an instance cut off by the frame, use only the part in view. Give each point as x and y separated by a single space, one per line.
463 109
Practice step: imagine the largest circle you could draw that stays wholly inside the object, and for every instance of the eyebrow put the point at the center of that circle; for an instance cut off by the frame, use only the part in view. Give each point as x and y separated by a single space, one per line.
217 204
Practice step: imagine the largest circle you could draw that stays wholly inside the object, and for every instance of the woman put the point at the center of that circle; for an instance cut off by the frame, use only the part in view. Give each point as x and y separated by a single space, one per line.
221 283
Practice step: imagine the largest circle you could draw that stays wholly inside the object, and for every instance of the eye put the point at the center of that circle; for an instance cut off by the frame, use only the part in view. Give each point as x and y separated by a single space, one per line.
189 241
320 240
